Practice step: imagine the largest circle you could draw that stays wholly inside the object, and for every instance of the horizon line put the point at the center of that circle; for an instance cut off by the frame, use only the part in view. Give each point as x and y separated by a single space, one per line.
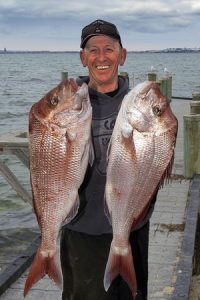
171 49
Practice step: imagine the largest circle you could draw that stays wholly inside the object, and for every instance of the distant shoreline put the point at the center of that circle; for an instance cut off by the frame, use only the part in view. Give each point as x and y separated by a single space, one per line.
168 50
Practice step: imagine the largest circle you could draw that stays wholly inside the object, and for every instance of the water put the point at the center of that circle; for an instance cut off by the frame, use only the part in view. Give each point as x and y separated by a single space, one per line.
25 78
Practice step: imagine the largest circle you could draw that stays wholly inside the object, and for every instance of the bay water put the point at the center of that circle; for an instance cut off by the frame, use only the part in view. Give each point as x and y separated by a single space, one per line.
24 79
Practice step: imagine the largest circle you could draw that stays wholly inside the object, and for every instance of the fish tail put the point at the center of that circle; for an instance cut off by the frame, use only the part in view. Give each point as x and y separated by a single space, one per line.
42 265
120 262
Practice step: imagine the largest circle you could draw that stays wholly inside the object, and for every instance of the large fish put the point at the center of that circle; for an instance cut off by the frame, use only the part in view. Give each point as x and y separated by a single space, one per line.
141 156
59 147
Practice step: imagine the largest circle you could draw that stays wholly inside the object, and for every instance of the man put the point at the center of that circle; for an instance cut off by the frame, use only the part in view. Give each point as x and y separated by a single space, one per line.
86 240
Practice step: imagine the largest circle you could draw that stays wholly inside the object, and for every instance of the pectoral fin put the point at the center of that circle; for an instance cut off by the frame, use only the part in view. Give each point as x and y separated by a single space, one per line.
127 130
71 136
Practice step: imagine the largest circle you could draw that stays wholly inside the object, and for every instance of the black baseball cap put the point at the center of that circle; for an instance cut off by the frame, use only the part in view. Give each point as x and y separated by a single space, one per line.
99 27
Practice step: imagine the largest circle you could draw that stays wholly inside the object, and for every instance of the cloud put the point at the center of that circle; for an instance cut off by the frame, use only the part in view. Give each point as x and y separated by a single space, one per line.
140 14
58 20
64 8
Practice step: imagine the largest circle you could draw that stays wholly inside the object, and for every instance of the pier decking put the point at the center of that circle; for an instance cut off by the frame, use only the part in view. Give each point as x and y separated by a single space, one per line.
172 235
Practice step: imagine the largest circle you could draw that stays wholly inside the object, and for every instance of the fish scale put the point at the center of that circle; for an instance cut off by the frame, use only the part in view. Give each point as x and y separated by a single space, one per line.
141 153
59 151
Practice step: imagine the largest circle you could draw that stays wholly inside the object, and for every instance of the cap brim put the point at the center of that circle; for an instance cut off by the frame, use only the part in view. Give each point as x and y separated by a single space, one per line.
87 38
83 43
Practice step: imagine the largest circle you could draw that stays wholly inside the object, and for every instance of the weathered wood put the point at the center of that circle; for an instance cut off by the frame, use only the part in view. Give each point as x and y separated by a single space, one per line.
22 154
169 89
14 182
15 140
15 144
64 75
166 87
196 96
152 76
195 107
191 145
185 263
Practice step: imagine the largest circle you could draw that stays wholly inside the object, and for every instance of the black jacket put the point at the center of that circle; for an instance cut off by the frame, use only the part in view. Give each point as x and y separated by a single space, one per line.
91 218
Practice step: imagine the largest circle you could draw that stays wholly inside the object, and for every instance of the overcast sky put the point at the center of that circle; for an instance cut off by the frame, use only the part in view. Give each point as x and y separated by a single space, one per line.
56 24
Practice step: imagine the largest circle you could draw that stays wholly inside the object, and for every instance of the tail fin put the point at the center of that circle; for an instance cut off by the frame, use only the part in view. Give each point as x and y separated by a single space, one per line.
120 262
42 265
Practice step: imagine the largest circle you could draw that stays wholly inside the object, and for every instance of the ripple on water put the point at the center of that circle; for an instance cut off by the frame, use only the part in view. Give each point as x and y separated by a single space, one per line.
18 230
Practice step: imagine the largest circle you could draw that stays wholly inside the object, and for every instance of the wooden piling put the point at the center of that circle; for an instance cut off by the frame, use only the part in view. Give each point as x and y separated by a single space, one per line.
191 145
169 89
64 75
152 76
163 86
196 96
125 74
166 87
195 107
195 103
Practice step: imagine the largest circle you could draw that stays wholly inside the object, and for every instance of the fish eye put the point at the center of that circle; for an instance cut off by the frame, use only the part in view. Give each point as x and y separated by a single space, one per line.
157 110
54 101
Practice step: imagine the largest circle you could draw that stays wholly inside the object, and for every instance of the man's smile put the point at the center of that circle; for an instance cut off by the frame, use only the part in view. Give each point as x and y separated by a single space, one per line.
103 67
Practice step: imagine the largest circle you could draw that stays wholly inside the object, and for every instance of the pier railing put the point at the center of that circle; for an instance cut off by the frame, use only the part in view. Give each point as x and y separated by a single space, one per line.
15 144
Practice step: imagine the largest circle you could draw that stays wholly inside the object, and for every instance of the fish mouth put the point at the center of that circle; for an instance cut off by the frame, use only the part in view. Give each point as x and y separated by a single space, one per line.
73 96
81 97
79 102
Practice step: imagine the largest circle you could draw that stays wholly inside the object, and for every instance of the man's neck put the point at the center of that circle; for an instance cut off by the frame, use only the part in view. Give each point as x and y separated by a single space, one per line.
103 88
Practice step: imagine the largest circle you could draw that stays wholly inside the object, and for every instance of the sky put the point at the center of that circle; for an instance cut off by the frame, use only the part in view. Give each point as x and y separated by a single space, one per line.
56 25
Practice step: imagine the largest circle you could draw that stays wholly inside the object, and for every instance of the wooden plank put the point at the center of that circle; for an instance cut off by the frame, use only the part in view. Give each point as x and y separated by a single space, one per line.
15 143
14 182
16 139
22 154
185 262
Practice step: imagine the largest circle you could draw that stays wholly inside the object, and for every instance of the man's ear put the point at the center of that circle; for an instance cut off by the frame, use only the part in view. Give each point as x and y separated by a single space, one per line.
83 58
123 56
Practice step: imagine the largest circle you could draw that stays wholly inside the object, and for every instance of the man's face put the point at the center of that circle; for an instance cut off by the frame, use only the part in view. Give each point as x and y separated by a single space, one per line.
102 55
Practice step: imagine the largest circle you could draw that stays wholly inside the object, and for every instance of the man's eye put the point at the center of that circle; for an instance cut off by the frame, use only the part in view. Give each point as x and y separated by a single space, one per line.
93 51
109 50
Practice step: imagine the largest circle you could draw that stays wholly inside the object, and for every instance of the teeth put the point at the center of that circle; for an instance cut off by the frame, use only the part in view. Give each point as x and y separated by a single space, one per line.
102 67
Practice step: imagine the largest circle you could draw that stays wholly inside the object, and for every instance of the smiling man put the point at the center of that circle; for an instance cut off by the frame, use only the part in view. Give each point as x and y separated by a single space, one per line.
86 240
102 54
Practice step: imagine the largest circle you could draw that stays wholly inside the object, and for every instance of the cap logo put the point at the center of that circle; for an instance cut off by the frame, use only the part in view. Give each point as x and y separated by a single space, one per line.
97 30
